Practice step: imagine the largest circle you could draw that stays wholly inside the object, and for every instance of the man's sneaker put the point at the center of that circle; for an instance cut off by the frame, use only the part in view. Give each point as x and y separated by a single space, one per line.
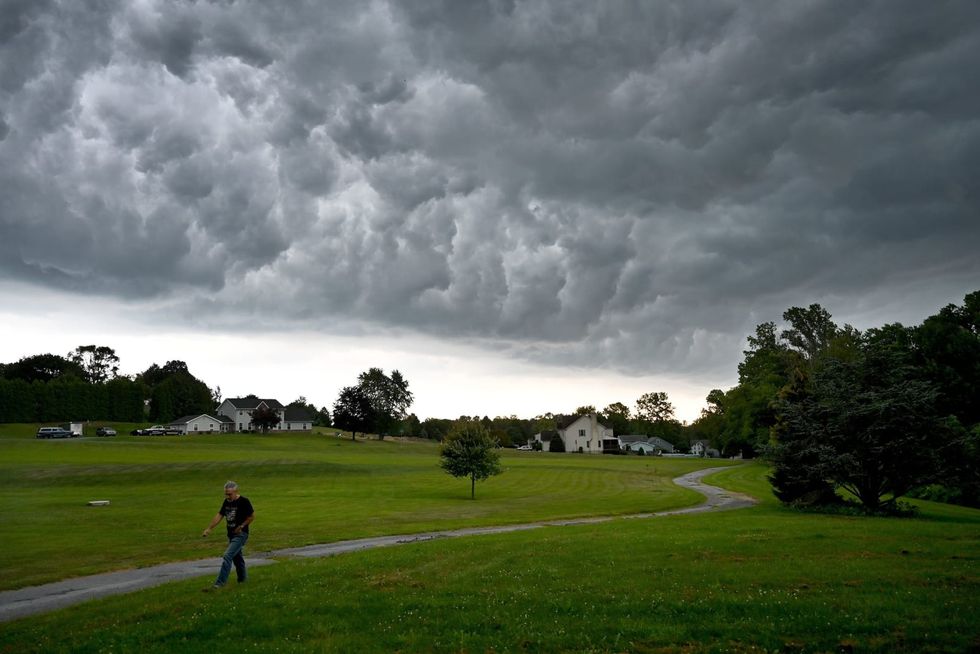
211 589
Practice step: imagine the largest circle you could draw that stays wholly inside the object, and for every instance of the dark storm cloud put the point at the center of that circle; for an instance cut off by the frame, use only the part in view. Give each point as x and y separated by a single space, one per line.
629 184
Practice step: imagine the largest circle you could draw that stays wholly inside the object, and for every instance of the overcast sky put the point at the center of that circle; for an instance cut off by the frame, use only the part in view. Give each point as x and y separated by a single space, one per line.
524 206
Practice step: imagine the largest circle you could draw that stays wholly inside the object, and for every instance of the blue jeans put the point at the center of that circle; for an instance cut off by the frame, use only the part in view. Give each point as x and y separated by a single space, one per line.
233 555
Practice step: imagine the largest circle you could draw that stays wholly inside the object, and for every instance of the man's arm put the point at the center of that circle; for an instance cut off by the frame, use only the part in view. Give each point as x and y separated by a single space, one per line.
214 522
246 522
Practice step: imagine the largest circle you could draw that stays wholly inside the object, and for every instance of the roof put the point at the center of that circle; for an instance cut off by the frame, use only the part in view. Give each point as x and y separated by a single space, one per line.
633 438
252 402
298 414
186 419
223 418
659 442
547 435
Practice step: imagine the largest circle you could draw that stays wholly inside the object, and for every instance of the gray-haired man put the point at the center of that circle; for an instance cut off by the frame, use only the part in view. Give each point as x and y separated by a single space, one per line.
238 515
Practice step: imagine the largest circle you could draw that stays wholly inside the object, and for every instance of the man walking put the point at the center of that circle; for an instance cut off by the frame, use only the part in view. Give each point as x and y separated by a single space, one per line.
238 514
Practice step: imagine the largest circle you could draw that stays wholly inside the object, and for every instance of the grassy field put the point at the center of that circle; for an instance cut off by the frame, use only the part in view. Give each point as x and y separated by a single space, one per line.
306 489
765 579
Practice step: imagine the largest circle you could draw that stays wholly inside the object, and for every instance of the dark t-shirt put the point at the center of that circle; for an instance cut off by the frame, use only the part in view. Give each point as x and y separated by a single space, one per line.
235 513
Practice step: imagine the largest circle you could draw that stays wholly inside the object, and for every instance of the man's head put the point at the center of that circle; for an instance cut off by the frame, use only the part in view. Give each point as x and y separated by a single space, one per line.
231 490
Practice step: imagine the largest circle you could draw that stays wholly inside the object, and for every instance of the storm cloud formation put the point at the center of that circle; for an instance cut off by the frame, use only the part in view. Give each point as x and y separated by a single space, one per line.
627 184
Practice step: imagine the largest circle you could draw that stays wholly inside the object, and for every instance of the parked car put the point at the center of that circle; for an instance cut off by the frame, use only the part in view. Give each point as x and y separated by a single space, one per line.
105 431
54 432
155 430
525 448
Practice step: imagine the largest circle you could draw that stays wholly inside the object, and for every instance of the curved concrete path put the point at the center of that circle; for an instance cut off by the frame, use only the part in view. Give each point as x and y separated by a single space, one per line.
48 597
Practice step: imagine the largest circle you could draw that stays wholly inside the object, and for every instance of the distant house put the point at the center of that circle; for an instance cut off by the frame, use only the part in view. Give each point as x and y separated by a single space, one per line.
641 447
703 448
201 424
296 419
240 409
583 433
646 444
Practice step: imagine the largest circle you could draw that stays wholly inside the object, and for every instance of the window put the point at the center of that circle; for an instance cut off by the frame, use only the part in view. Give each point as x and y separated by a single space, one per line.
581 432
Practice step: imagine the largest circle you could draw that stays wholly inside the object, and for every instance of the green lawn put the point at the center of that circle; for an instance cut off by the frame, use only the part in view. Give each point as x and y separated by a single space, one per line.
765 579
306 489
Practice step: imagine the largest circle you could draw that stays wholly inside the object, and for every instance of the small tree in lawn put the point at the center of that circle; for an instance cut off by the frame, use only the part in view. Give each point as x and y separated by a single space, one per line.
265 418
557 444
470 451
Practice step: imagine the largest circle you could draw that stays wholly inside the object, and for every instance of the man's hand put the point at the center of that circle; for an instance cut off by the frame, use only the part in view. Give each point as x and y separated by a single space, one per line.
204 534
238 530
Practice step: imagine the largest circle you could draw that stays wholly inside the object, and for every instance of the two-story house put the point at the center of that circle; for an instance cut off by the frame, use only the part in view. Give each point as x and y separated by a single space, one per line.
240 409
582 433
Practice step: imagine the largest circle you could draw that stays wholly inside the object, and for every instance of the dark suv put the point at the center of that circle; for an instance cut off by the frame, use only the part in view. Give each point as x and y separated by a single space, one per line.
105 431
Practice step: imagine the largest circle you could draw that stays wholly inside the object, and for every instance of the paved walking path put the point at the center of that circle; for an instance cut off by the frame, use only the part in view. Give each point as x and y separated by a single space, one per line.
41 599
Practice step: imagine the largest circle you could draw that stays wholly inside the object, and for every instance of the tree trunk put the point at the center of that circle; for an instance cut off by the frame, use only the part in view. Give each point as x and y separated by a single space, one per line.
353 435
472 487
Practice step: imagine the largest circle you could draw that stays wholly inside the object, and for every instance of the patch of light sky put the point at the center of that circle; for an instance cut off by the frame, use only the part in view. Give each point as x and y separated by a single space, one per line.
448 379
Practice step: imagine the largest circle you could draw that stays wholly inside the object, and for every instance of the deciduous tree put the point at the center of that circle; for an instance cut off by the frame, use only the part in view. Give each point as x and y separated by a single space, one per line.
353 411
655 407
389 397
470 451
99 362
265 418
866 425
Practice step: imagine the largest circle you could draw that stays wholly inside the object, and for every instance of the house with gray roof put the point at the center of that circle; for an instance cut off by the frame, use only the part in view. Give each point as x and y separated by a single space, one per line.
203 423
240 409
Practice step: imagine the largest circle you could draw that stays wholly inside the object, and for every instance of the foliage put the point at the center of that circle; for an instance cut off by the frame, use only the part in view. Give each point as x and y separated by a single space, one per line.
41 367
70 398
617 416
865 424
353 411
389 397
920 384
655 407
556 444
175 392
98 362
378 403
470 451
265 418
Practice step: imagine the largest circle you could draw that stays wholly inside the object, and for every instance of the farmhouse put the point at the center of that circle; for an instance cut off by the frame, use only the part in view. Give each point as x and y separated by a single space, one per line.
583 433
703 448
647 445
201 424
240 409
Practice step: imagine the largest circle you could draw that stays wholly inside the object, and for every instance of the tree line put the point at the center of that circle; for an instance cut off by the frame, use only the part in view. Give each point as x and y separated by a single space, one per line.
889 412
86 385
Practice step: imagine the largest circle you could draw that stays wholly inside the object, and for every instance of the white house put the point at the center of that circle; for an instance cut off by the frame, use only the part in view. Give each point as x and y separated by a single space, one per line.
200 424
239 410
703 448
296 419
582 433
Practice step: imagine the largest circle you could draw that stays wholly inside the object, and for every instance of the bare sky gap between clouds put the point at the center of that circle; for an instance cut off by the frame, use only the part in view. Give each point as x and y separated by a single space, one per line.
625 187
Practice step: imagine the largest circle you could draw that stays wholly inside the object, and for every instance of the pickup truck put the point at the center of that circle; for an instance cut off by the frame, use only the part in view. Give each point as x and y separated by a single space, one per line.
156 430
